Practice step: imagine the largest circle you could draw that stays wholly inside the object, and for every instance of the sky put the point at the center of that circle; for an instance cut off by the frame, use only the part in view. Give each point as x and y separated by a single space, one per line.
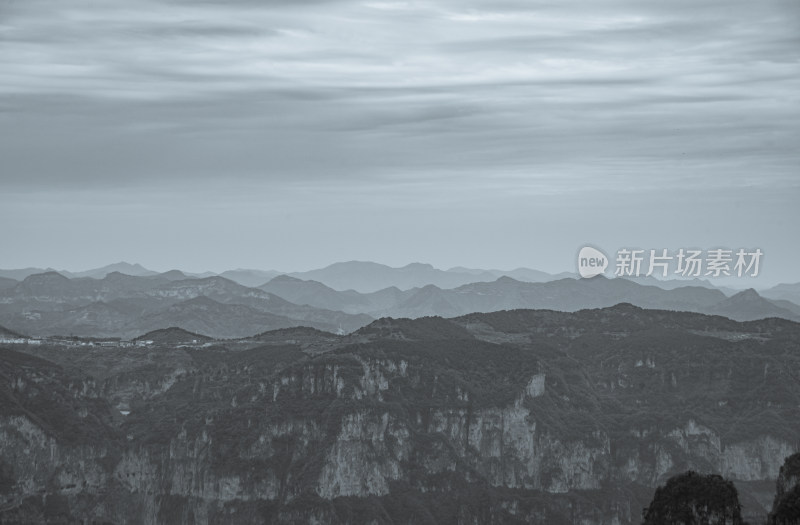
282 134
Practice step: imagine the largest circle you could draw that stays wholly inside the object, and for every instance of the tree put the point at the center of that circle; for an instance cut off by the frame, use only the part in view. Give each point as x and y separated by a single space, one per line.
786 508
695 499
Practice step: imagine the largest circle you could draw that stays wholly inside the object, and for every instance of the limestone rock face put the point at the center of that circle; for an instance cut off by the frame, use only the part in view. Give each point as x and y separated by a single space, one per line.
527 422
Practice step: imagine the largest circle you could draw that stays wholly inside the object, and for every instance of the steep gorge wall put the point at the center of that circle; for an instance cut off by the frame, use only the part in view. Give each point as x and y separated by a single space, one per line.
353 440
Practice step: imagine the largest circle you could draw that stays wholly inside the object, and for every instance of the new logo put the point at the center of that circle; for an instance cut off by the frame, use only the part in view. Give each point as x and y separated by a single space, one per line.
591 262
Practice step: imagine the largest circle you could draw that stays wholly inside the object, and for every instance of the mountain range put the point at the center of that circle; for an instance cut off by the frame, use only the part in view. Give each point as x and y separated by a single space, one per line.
785 291
126 306
506 293
361 276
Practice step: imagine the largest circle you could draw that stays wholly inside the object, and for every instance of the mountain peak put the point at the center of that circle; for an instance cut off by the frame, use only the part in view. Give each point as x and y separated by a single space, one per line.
416 266
748 305
625 307
748 294
173 275
126 268
505 279
745 297
51 276
283 278
117 276
125 264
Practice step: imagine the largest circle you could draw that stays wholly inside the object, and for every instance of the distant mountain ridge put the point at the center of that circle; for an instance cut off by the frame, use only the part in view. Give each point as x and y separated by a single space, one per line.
367 277
506 293
749 305
784 291
362 276
121 267
121 305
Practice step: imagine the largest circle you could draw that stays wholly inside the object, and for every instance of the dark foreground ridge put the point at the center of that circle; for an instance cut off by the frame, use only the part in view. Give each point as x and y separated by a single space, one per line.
521 416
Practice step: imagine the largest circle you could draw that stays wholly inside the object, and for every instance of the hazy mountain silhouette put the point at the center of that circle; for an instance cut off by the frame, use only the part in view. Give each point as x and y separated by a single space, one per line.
173 275
506 293
368 277
123 305
520 274
52 288
315 293
121 267
22 273
671 284
785 291
247 277
749 305
7 283
365 277
206 316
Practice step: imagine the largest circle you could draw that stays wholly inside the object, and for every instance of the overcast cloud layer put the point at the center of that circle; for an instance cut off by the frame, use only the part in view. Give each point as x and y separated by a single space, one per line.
291 134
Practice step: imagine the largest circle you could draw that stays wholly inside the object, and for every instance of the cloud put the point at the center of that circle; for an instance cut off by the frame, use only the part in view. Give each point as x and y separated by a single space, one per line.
437 101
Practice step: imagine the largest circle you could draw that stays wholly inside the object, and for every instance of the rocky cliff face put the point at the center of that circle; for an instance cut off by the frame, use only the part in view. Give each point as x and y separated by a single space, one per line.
562 430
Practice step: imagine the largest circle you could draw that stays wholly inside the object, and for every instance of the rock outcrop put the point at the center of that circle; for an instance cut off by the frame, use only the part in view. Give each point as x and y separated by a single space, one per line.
561 428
